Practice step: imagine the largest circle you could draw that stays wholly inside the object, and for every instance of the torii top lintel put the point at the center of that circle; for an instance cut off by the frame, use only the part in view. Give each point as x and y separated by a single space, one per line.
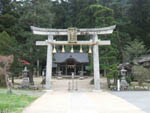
88 31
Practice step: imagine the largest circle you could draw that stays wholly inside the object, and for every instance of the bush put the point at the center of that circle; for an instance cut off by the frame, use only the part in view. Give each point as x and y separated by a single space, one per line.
140 73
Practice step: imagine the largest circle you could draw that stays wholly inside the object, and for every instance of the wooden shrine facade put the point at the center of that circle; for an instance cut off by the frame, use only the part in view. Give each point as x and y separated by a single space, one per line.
66 63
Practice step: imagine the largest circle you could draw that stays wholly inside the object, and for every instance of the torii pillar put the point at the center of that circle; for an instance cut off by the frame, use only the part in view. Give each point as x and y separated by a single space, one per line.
49 64
96 63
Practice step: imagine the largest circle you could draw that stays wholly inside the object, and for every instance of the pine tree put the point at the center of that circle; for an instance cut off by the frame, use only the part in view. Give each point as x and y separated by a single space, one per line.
139 15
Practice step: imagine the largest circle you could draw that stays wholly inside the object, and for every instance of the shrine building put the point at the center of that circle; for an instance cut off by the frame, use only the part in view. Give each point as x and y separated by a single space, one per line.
66 63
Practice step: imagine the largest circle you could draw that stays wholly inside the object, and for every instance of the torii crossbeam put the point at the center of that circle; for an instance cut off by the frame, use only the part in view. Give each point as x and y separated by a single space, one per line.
95 42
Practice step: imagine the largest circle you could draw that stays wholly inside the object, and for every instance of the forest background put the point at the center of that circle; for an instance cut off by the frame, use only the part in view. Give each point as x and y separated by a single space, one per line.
130 40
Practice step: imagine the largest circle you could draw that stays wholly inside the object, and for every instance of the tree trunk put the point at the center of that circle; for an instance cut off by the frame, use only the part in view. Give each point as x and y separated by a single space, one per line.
38 64
7 81
2 80
8 84
105 73
115 80
108 82
121 49
31 78
12 79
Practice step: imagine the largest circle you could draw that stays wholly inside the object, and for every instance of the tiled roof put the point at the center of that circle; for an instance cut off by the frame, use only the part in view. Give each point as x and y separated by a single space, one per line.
78 57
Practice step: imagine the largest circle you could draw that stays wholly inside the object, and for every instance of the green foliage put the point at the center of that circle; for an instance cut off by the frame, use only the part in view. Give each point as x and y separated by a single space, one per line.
134 49
8 17
14 103
112 74
7 44
140 73
5 6
139 16
68 12
32 13
96 15
131 18
129 79
35 13
90 68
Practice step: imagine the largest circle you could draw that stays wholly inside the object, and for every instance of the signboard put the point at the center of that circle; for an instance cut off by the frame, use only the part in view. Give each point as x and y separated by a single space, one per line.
72 35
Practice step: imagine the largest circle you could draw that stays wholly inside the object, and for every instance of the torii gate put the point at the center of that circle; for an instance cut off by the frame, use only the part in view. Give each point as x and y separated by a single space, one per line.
72 40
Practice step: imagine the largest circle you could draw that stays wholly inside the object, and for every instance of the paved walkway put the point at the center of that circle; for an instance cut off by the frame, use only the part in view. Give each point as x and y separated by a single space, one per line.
81 102
141 99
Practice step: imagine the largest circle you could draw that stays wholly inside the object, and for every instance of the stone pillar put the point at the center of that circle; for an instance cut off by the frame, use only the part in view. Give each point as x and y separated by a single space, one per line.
96 64
82 68
49 64
75 70
66 69
58 69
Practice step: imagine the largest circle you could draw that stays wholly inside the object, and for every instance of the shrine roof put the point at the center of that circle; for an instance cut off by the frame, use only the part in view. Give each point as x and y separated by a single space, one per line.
63 57
144 59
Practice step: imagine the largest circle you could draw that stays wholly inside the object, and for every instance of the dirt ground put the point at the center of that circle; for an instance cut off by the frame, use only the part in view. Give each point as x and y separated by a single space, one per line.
64 84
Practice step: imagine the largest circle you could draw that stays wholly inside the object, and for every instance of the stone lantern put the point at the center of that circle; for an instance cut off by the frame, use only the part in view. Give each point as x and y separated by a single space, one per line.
123 73
124 85
25 72
25 83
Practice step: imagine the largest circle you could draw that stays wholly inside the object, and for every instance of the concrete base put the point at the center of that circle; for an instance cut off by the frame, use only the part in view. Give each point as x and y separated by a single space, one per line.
48 90
59 78
81 78
97 91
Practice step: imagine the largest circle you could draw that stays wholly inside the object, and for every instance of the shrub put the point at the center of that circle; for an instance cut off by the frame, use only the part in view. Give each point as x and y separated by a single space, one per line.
140 73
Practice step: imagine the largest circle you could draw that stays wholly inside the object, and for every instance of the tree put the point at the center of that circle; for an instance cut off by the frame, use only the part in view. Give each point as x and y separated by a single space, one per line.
120 8
67 12
8 17
108 58
77 6
2 78
7 49
140 73
6 62
32 13
100 16
7 44
139 15
5 6
135 49
7 23
96 15
112 74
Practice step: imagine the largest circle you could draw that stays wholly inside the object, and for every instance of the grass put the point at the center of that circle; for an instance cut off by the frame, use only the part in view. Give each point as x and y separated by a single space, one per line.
11 103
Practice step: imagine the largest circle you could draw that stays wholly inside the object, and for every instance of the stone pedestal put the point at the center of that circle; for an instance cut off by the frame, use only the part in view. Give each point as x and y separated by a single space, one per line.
59 75
123 84
81 75
25 83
